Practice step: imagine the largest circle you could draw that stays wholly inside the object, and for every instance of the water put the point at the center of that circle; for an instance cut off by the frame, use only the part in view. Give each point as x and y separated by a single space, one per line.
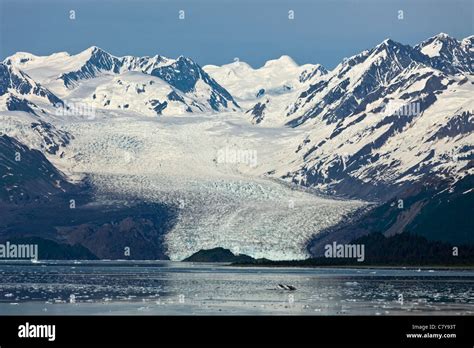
172 288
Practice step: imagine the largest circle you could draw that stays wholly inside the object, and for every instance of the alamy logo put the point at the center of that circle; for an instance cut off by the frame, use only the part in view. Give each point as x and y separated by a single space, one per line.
76 109
402 109
234 156
345 251
19 251
37 331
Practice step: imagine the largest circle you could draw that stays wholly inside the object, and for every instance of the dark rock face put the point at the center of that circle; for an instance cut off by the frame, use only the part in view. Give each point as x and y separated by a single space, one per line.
157 106
461 124
16 104
258 112
135 233
28 176
175 97
183 74
260 93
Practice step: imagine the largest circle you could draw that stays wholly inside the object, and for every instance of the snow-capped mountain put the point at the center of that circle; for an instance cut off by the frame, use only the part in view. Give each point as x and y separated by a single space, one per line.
145 94
374 123
373 73
75 76
274 77
349 86
265 92
448 54
18 91
187 76
92 63
26 102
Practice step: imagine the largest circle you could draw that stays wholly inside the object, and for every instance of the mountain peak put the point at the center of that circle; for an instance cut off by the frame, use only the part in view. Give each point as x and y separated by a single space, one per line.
391 47
439 45
313 71
284 61
448 54
184 58
89 63
468 43
387 44
387 41
468 38
238 64
442 36
19 58
94 51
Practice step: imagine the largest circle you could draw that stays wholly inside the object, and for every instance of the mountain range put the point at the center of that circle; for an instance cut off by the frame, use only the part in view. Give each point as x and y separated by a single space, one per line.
391 124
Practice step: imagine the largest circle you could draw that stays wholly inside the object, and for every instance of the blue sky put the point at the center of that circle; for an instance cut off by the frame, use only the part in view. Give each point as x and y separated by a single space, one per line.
217 31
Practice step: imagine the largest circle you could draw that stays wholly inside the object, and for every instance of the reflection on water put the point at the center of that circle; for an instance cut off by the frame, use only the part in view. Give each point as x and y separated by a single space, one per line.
150 287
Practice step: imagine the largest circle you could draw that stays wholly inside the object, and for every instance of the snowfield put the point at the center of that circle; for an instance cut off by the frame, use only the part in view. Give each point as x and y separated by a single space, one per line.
175 160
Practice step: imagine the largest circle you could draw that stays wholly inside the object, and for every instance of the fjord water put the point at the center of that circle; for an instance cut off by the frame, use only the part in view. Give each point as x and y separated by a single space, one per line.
174 288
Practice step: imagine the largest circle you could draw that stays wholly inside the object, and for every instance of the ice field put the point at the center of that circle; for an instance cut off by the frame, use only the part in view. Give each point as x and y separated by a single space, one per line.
212 168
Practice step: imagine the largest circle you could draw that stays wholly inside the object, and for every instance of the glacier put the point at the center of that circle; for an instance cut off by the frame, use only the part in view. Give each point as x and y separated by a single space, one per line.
173 161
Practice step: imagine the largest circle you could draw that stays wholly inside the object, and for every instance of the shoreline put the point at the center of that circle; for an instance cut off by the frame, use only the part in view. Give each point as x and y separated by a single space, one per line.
270 264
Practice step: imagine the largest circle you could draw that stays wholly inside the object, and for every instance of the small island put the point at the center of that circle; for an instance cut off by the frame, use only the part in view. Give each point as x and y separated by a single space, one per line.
219 255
